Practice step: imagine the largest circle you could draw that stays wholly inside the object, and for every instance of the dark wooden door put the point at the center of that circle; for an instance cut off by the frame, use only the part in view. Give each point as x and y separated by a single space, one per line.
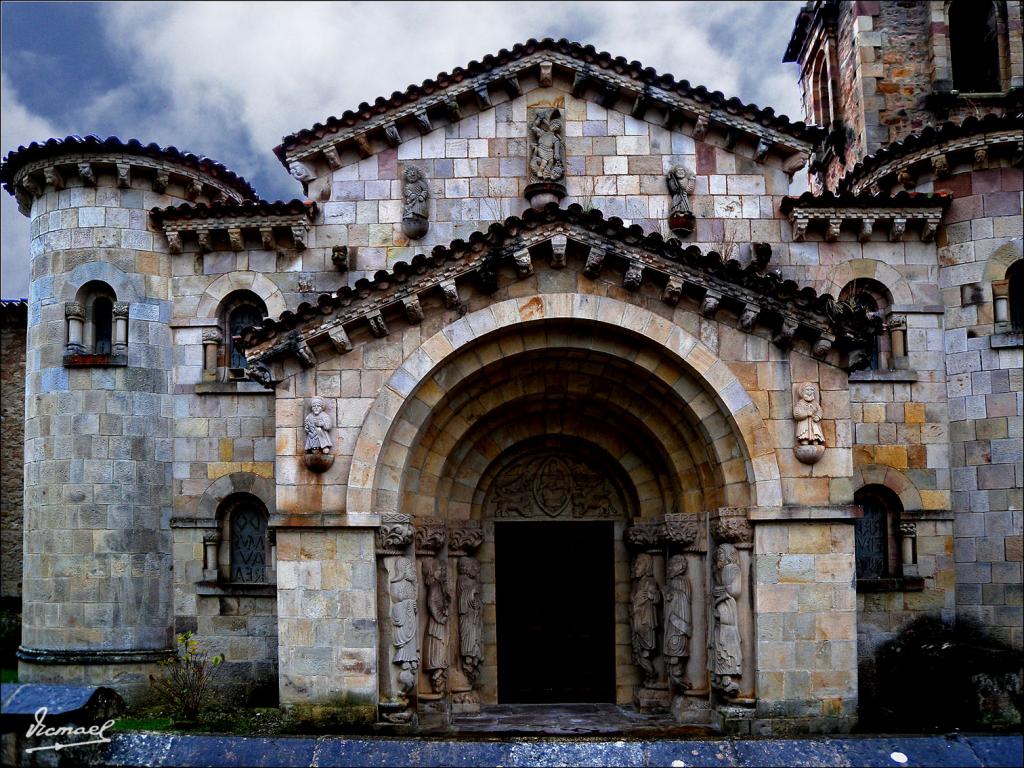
555 587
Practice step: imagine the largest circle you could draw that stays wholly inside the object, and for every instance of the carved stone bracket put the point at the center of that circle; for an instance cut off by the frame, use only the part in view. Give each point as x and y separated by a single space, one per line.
431 535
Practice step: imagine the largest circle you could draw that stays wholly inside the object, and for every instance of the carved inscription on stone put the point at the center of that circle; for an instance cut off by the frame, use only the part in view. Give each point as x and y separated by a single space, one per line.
551 485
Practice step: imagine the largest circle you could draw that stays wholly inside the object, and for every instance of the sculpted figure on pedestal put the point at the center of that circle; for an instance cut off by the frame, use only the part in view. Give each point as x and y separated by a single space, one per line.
546 160
317 425
643 615
678 620
415 203
470 616
403 619
435 645
727 663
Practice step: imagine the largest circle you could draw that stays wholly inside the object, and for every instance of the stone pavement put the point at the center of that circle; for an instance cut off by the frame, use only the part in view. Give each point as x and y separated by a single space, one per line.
142 749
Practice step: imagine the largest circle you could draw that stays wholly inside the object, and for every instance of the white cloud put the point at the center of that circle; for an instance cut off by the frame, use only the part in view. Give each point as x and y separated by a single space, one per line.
18 127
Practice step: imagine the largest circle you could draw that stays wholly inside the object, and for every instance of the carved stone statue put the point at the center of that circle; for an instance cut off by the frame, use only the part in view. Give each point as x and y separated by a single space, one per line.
678 620
402 587
435 644
807 413
415 203
643 615
547 156
470 617
727 662
681 183
317 425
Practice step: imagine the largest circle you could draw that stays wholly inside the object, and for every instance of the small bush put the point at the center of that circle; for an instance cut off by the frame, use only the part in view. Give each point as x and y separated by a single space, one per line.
186 680
938 677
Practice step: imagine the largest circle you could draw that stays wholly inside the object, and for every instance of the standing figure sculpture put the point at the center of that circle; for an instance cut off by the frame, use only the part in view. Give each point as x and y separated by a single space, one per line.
435 644
403 621
678 620
643 616
728 659
317 425
807 413
415 203
470 607
681 183
546 160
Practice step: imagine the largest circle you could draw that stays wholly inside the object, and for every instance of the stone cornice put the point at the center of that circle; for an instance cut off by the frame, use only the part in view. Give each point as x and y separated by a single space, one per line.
265 220
420 106
752 294
866 221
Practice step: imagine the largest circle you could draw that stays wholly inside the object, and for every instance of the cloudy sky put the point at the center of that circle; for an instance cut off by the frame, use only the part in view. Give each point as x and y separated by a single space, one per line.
228 80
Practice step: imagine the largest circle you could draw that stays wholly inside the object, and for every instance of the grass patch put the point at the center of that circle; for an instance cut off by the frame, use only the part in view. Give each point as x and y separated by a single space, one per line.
248 721
144 724
8 675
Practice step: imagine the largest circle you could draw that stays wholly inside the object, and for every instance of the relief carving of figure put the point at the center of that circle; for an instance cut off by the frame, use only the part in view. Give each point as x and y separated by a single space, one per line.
547 160
643 615
317 425
728 660
435 644
470 607
678 620
415 203
403 619
681 183
807 413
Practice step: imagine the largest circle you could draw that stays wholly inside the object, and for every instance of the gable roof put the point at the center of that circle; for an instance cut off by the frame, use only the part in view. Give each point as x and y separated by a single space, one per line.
749 290
615 76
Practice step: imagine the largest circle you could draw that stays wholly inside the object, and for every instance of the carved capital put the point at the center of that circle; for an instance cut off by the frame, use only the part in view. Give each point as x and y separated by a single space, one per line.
643 536
394 534
121 308
908 529
211 537
731 526
464 537
73 311
212 336
682 530
431 535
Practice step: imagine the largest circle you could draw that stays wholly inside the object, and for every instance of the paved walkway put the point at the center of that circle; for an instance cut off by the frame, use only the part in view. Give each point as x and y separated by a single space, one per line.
141 749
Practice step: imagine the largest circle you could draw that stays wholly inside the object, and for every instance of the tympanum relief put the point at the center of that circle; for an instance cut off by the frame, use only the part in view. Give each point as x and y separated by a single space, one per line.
552 486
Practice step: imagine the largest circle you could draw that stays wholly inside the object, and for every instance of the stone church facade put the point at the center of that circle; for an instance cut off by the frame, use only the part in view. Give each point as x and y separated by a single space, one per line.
545 390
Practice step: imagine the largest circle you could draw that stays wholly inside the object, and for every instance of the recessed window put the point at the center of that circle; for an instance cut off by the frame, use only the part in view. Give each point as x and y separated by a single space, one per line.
96 327
874 297
1015 293
239 311
974 46
246 540
877 552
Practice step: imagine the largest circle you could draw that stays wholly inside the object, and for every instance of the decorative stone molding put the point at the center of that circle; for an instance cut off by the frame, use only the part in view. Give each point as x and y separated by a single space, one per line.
229 224
431 535
394 535
864 221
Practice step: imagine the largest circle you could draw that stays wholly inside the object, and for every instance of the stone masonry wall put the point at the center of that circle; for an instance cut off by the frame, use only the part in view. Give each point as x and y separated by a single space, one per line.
12 447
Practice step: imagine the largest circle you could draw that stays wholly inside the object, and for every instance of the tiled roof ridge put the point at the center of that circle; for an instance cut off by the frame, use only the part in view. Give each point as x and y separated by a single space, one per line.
244 208
929 136
752 276
901 199
18 158
586 54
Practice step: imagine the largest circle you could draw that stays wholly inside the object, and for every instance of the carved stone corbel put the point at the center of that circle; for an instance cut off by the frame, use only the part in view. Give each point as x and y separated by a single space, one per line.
905 178
896 232
940 166
88 175
673 290
783 337
31 186
929 228
160 181
235 239
450 292
413 309
749 316
832 232
558 246
54 177
800 229
300 171
194 189
260 374
523 262
362 145
700 128
299 237
709 304
595 260
305 355
633 277
173 241
545 74
451 104
377 325
579 83
267 238
124 175
822 346
203 239
340 339
981 158
332 156
422 120
867 226
761 152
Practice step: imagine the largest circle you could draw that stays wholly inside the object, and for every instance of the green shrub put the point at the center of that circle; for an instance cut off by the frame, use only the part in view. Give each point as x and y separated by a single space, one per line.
185 682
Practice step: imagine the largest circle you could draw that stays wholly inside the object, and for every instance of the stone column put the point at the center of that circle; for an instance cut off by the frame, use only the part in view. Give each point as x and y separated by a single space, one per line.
434 604
211 543
898 337
908 536
685 604
396 609
464 538
212 340
75 318
646 541
119 345
1001 300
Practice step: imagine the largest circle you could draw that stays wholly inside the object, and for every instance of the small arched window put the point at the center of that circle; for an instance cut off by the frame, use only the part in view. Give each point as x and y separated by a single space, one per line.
874 297
974 45
103 325
97 327
240 310
877 550
1015 293
821 92
245 539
